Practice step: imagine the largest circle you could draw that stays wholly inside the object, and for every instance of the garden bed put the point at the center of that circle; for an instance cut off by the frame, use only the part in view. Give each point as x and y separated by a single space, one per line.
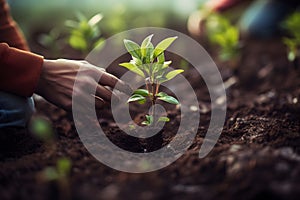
256 157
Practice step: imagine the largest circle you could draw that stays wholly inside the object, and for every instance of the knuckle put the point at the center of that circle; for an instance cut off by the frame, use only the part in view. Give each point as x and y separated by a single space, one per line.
84 62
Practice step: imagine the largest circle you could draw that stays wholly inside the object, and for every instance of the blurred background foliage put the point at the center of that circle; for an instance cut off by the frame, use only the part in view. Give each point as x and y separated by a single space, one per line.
44 22
118 15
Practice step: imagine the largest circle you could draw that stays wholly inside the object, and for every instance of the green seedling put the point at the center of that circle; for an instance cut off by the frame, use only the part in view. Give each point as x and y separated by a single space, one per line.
292 26
149 62
59 174
85 33
225 36
42 129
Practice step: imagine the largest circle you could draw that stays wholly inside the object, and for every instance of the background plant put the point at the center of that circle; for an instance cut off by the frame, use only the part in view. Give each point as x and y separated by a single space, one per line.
85 33
225 36
292 26
149 62
60 173
42 129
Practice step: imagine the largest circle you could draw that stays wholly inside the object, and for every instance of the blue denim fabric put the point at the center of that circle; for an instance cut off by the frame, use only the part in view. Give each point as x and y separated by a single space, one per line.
263 18
15 111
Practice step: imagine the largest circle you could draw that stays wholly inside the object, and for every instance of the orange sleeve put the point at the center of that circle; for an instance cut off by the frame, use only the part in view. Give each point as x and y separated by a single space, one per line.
19 70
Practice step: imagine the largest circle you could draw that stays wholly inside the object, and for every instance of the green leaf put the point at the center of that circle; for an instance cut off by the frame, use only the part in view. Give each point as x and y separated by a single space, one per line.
142 101
161 79
42 129
163 45
146 123
145 44
291 56
161 58
168 99
133 68
136 97
46 40
77 42
95 19
80 16
50 174
63 166
161 94
133 48
156 67
71 24
172 74
149 120
149 53
166 64
142 92
137 61
163 119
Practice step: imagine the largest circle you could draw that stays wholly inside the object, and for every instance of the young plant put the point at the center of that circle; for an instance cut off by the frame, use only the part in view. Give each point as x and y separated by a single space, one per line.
149 62
42 129
225 36
292 26
60 174
85 33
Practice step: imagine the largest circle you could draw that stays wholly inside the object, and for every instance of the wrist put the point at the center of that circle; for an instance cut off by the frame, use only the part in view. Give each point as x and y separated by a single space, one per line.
41 82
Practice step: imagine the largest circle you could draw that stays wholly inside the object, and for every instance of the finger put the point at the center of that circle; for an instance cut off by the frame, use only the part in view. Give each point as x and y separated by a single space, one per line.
108 79
99 102
112 81
104 93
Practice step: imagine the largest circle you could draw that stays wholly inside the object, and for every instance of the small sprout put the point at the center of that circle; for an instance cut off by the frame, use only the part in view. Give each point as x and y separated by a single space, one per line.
61 171
148 121
42 129
292 26
131 127
85 33
61 175
149 62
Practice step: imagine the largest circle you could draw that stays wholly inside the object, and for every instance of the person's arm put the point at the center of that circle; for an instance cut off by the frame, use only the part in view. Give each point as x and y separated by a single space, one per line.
19 70
24 73
9 30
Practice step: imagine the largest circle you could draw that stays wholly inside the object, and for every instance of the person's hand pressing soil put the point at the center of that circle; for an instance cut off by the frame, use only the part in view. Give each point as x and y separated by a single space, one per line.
58 77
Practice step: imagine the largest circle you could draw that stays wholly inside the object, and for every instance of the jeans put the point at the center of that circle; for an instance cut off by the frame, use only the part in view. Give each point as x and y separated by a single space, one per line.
15 111
263 18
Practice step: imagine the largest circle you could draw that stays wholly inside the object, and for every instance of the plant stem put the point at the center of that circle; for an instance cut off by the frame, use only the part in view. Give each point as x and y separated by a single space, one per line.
157 88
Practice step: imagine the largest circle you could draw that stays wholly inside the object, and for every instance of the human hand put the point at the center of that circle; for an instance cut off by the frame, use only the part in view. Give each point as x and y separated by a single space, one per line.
57 80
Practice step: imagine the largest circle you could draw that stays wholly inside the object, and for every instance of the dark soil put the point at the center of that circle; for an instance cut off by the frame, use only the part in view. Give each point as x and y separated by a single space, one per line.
256 157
